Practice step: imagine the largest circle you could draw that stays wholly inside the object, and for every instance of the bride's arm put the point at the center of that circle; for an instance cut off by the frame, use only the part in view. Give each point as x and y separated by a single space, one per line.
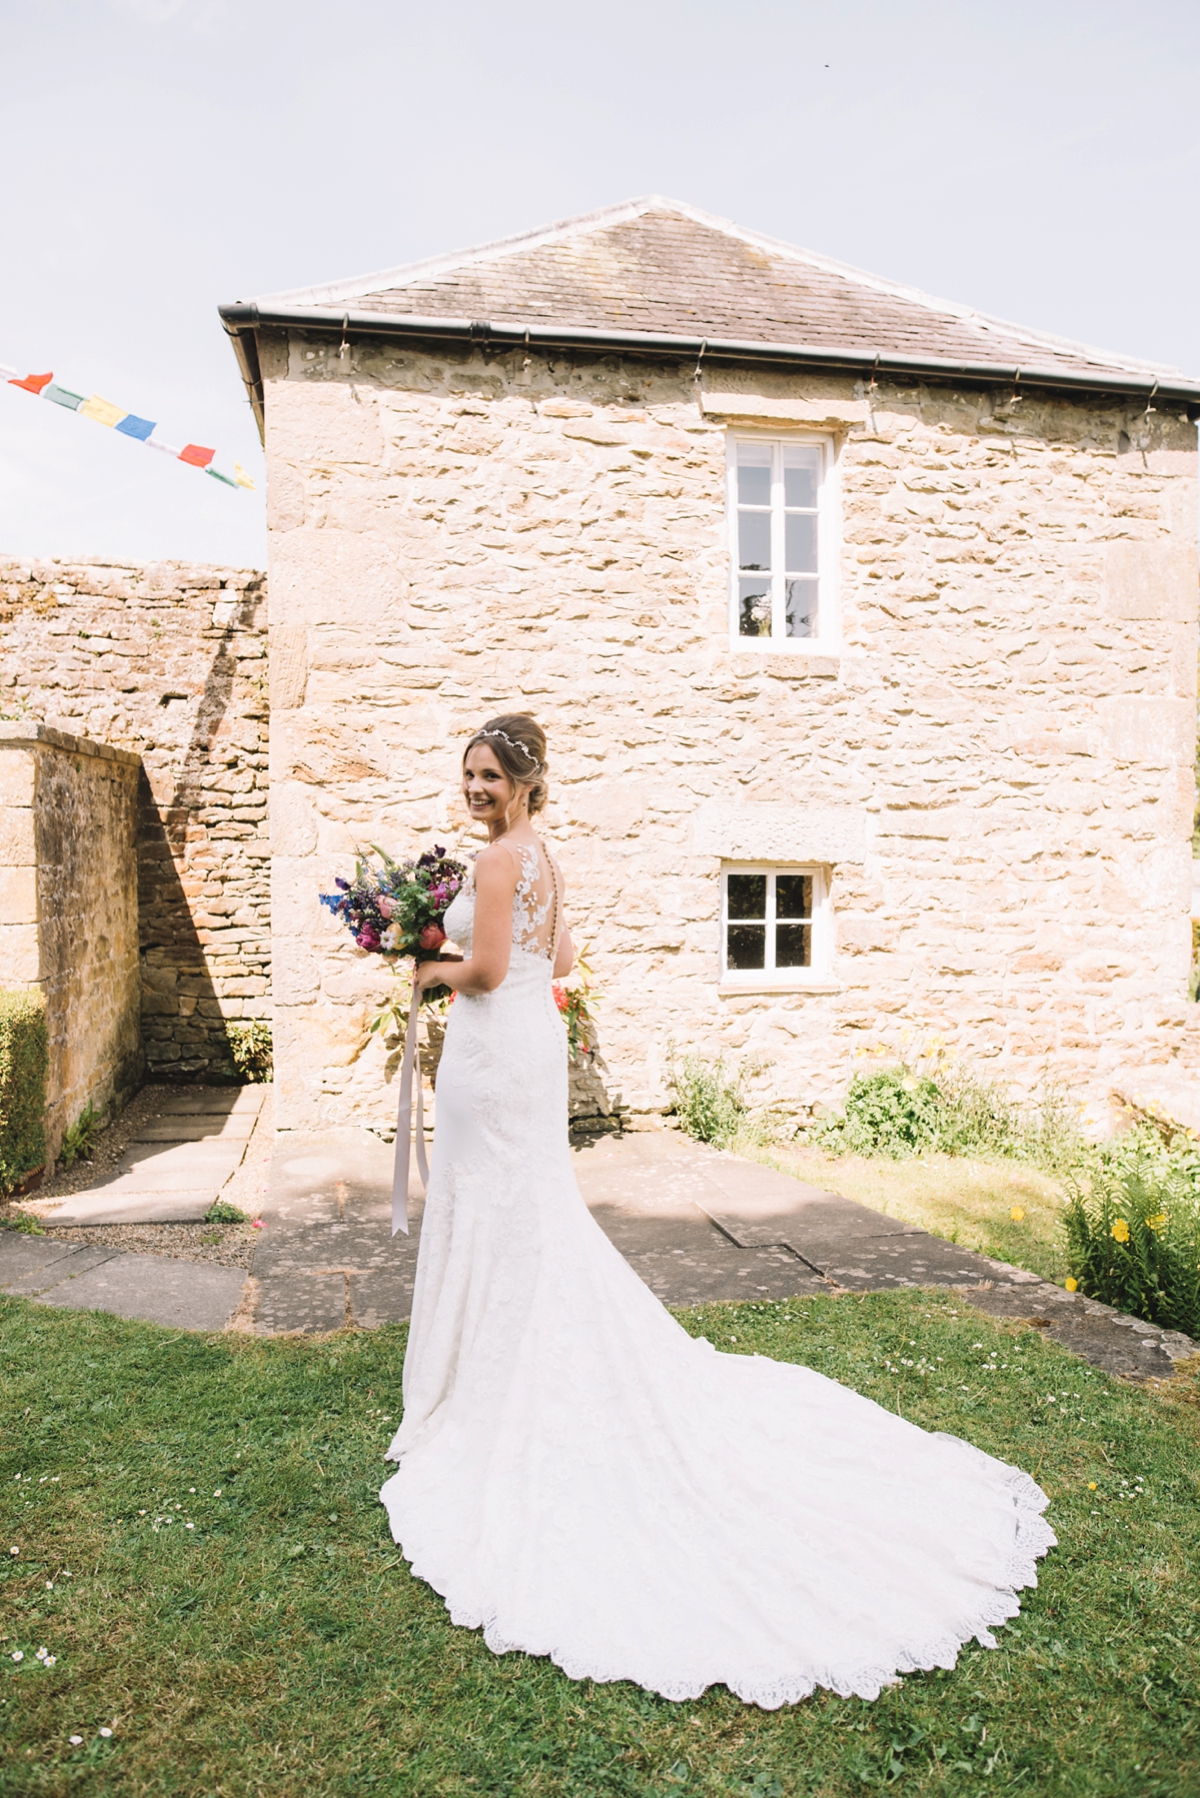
491 941
564 960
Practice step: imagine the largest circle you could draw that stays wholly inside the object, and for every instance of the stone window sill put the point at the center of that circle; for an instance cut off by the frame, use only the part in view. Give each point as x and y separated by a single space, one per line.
731 989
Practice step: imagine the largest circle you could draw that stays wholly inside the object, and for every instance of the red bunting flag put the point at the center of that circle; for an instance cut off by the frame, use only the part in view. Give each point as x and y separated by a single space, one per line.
33 383
196 455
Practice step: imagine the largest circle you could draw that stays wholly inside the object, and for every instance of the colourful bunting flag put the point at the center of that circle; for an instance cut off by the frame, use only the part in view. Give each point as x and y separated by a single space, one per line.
141 429
133 426
103 411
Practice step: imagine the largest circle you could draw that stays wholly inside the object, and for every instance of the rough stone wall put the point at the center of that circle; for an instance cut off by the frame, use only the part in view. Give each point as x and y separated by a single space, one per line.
995 765
168 661
68 876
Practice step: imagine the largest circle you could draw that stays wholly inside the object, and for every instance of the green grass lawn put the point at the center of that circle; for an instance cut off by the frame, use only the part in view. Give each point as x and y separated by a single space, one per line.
279 1646
953 1196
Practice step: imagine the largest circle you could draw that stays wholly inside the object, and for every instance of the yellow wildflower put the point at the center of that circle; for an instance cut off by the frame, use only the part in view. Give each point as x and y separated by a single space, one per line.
1120 1230
1017 1214
1157 1222
1072 1285
1091 1485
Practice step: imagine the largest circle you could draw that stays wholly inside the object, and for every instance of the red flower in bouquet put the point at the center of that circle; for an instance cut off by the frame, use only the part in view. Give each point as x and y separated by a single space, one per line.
432 937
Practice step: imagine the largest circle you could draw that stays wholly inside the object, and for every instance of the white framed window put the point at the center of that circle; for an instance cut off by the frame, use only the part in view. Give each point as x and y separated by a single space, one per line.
779 523
775 926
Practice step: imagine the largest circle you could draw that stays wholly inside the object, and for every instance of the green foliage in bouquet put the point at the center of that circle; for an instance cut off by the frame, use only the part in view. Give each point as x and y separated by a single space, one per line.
575 1003
23 1053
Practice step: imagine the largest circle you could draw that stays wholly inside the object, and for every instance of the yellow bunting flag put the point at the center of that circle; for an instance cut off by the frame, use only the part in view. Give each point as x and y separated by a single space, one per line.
103 411
243 479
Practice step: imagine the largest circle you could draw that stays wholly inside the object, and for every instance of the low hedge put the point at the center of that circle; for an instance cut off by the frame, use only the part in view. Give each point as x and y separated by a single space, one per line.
22 1086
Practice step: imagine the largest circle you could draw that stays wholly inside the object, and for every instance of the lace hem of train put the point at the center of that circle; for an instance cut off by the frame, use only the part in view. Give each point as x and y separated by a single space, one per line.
1034 1537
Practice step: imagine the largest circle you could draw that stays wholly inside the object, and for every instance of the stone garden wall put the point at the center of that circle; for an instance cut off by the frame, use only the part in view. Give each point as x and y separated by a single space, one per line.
168 661
68 879
995 764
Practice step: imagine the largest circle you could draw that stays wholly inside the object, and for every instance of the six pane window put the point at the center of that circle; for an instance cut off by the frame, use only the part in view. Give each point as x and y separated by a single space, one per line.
768 922
776 502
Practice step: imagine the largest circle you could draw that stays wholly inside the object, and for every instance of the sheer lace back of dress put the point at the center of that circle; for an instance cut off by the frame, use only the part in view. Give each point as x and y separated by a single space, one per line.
536 905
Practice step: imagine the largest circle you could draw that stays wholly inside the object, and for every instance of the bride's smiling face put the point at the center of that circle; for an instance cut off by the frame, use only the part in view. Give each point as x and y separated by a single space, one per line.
488 791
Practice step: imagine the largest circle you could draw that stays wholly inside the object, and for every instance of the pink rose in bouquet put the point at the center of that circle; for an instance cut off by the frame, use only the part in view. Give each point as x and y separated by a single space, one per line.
432 937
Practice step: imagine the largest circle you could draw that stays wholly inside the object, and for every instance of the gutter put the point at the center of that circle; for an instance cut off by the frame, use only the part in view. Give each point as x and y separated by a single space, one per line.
244 319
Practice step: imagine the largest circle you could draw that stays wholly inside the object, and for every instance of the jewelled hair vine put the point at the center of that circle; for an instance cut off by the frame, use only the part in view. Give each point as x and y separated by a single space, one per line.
513 743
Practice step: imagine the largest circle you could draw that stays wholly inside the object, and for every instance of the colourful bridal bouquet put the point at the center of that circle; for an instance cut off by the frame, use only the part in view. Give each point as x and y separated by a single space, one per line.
397 908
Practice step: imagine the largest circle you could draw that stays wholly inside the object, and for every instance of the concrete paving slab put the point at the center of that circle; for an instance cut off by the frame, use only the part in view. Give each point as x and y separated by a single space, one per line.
122 1205
706 1276
301 1302
231 1126
184 1295
25 1275
161 1167
880 1263
758 1205
21 1254
1120 1345
383 1296
228 1099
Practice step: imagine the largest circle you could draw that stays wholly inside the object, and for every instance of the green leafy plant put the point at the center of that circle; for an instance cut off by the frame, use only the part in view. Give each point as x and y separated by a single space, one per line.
706 1097
1133 1235
940 1106
222 1212
22 1086
21 1221
250 1047
79 1141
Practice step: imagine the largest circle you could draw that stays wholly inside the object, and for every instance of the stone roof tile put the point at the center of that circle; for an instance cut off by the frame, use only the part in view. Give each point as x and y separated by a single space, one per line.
659 266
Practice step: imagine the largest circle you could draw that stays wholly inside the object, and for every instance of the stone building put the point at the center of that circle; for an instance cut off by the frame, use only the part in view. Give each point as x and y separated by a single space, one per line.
863 628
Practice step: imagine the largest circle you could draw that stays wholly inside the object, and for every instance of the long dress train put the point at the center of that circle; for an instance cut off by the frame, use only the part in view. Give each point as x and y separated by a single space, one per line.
584 1480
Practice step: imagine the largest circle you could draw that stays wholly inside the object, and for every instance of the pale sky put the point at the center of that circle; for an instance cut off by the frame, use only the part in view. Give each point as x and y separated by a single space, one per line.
1038 159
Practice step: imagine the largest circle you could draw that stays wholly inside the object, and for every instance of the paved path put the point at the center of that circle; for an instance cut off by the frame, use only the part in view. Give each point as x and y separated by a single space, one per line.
175 1168
697 1226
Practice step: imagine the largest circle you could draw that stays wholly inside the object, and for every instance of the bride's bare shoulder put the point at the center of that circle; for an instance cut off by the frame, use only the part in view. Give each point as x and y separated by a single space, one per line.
496 865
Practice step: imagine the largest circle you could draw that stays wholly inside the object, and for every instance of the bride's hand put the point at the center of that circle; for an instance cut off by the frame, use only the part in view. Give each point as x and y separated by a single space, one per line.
433 973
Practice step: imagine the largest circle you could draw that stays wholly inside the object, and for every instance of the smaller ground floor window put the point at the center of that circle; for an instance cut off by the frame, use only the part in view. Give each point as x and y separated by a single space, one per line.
773 925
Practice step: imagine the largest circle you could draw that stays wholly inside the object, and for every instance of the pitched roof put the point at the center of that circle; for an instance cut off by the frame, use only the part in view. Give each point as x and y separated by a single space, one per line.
657 273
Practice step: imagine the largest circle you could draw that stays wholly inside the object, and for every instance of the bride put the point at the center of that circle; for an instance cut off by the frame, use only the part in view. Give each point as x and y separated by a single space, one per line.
580 1476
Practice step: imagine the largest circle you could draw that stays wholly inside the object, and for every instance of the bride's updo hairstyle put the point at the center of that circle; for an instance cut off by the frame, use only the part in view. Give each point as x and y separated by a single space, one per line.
518 743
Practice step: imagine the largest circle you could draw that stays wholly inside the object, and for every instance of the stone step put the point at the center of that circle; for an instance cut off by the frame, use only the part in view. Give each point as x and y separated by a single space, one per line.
137 1206
192 1127
210 1099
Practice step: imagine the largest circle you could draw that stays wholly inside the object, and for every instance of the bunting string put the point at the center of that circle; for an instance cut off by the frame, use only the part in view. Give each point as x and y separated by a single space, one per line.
143 430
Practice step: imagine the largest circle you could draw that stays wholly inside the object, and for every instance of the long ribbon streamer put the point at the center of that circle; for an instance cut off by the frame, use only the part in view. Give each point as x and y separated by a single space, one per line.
410 1066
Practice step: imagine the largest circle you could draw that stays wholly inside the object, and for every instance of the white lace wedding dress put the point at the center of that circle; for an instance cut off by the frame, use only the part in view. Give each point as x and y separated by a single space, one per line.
586 1481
